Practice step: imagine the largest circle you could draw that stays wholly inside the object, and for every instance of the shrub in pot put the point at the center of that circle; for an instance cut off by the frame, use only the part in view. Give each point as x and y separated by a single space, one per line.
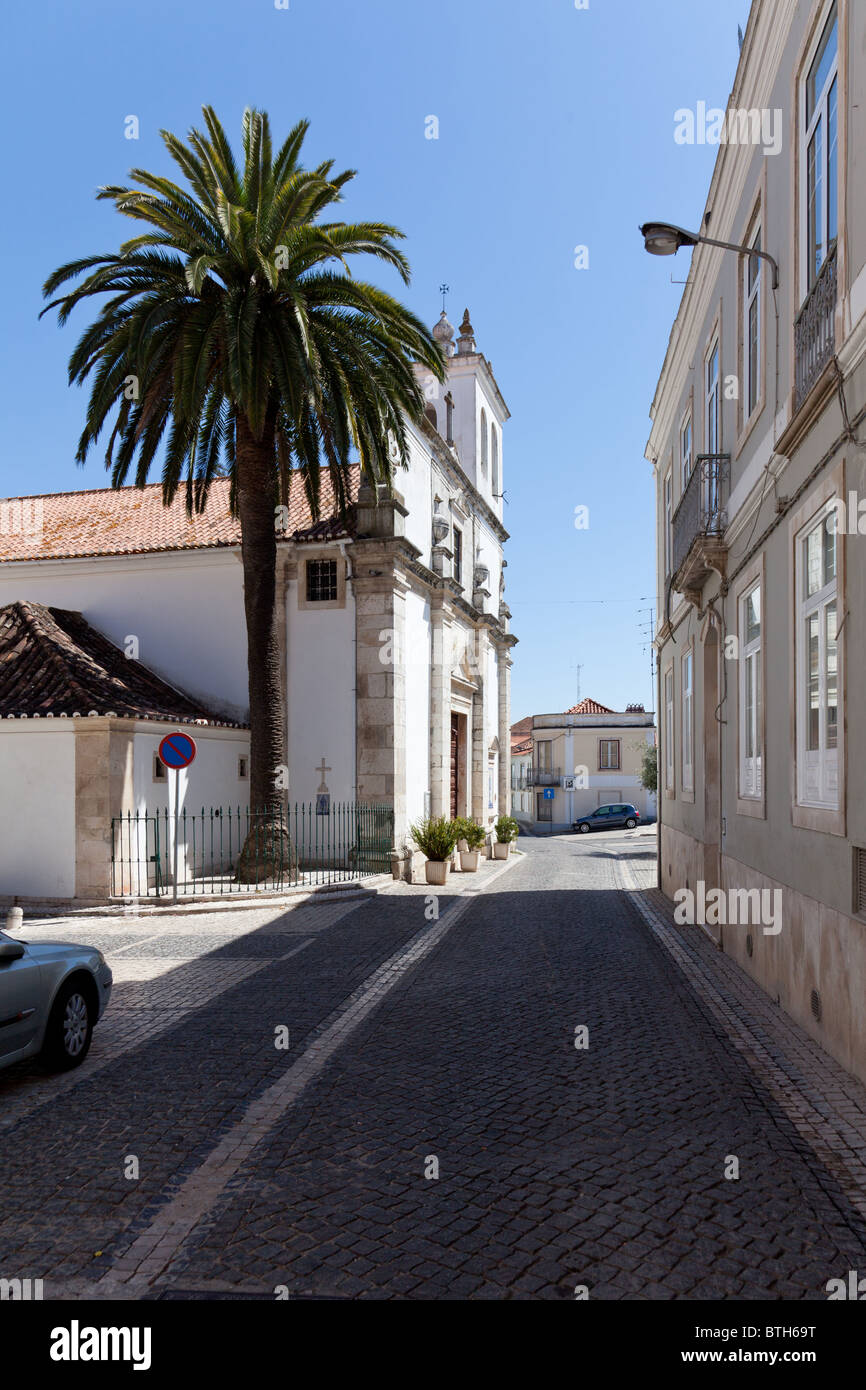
436 838
472 837
506 831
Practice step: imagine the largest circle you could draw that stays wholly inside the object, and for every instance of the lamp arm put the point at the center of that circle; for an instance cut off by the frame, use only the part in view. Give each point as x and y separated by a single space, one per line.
744 251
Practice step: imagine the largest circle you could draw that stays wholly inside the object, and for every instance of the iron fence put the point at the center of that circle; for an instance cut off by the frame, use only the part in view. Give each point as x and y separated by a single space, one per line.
236 850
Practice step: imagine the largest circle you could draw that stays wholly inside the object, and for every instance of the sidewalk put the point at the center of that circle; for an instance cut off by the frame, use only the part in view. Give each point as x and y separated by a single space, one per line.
825 1104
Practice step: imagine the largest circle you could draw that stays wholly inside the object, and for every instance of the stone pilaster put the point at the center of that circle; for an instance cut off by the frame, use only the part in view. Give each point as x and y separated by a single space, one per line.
103 788
440 711
504 735
480 811
380 742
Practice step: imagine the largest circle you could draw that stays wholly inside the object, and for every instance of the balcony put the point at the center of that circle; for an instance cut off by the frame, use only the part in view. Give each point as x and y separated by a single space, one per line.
815 331
544 777
698 524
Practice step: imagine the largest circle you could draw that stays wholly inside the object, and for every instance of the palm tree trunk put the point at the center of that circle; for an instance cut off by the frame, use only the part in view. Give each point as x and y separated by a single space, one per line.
267 851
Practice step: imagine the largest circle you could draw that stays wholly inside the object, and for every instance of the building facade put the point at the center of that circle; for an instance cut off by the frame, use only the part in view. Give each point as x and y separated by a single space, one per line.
757 448
586 757
393 622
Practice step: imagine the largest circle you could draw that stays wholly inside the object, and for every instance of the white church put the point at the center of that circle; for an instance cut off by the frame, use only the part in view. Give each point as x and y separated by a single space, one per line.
122 620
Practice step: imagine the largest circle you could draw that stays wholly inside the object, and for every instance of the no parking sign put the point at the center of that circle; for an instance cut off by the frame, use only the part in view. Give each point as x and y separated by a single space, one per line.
177 750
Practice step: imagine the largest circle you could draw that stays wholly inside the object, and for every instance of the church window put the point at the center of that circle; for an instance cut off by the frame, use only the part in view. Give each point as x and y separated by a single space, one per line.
458 555
321 581
494 453
484 442
243 768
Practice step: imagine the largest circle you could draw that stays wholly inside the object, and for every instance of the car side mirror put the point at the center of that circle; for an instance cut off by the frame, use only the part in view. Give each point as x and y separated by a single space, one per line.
10 950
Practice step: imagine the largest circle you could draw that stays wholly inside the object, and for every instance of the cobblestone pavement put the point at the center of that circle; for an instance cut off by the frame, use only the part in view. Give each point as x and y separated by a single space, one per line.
432 1130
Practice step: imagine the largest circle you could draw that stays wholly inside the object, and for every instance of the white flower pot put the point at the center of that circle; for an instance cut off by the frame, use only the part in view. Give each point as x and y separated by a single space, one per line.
500 849
469 861
436 871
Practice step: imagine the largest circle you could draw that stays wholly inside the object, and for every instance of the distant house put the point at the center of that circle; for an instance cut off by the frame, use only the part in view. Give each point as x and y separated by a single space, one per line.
521 765
570 763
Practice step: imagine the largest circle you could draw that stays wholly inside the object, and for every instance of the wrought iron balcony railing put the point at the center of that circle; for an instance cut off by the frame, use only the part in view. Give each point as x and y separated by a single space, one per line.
544 777
701 510
815 330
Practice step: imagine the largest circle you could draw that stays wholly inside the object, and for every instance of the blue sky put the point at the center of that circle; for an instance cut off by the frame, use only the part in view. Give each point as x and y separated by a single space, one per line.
555 130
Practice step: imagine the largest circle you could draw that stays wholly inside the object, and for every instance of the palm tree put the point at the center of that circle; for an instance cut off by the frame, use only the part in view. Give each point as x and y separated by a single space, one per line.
235 337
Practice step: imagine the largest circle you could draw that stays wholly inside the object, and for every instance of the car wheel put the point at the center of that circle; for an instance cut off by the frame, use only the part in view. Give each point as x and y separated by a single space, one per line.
630 823
70 1029
583 828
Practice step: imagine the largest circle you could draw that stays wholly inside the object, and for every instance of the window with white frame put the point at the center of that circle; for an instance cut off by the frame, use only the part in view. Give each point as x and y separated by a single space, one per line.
711 399
819 153
752 345
686 451
817 656
668 522
669 730
608 754
687 714
751 695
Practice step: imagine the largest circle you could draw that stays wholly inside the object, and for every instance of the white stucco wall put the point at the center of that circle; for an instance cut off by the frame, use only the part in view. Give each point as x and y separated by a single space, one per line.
186 610
418 655
320 649
210 783
37 807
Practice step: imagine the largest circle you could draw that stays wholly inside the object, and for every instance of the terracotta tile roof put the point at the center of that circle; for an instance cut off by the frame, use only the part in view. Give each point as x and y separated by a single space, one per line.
520 744
53 662
133 521
589 706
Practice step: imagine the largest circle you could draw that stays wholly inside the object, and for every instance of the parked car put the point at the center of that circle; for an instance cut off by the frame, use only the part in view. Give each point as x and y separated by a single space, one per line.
51 996
609 818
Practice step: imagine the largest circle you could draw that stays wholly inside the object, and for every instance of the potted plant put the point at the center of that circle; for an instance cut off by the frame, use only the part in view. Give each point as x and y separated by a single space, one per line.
506 830
469 844
435 837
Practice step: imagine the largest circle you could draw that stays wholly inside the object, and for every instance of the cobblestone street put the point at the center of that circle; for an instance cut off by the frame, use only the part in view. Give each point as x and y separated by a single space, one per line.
432 1129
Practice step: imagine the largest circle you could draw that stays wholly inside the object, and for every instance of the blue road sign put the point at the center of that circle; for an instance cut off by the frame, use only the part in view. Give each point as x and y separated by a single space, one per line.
548 795
177 750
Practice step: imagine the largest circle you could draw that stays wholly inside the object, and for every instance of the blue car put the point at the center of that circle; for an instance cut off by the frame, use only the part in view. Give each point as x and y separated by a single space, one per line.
609 818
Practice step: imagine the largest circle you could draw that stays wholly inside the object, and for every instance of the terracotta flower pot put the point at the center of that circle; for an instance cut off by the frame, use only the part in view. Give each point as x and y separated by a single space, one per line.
500 849
469 861
436 871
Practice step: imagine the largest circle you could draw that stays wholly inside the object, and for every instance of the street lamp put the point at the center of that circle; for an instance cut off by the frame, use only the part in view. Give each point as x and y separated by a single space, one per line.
664 239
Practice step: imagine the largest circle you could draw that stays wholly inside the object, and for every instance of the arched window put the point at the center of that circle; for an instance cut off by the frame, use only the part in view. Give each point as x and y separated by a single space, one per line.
494 453
430 412
484 442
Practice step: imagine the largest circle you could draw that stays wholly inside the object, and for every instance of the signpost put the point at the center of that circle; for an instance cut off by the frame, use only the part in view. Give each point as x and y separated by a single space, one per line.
176 751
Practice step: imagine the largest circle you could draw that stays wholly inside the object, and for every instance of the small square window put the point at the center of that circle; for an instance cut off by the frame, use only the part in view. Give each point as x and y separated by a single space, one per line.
321 581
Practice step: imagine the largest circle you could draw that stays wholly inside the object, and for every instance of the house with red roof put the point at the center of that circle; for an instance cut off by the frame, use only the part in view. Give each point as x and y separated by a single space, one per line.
121 618
563 766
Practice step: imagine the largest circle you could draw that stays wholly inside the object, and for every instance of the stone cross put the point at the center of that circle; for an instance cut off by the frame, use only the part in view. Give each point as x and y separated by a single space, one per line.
323 786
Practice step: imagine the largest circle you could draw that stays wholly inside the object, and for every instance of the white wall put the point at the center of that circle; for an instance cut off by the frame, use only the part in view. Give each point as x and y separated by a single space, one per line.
320 649
37 808
211 782
418 655
186 610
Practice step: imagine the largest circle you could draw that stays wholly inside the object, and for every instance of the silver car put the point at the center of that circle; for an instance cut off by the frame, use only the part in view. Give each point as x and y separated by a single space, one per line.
51 995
